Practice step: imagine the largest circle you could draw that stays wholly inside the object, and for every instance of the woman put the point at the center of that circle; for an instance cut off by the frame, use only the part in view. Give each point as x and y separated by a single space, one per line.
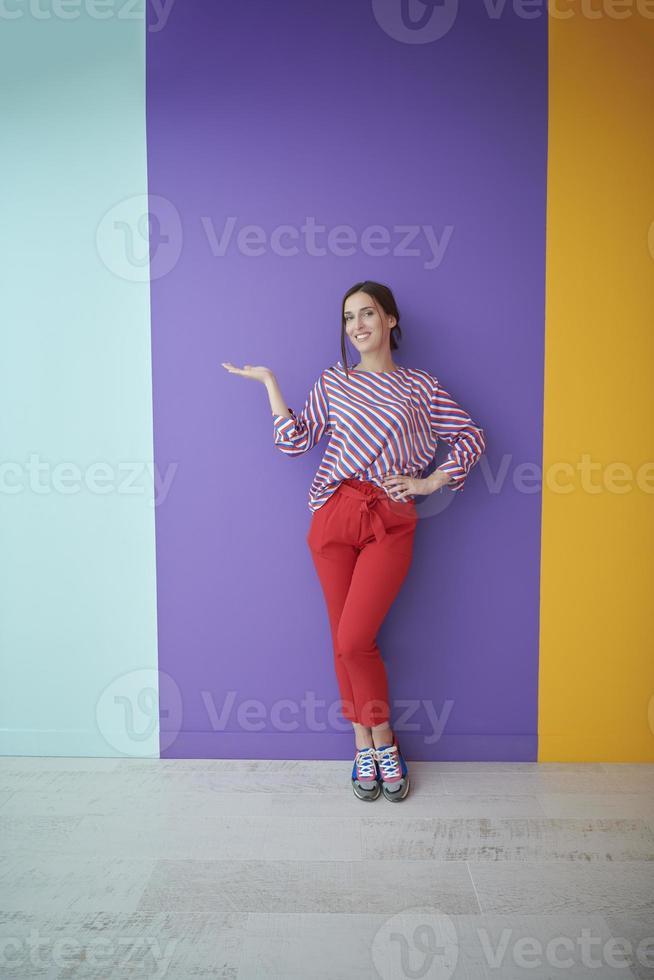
384 421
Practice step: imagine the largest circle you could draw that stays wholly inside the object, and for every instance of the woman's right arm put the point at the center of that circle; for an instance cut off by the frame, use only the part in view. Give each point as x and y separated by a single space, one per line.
296 434
267 378
293 434
277 403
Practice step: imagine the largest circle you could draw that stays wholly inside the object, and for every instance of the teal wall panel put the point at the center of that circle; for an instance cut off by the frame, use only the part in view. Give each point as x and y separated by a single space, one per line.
78 644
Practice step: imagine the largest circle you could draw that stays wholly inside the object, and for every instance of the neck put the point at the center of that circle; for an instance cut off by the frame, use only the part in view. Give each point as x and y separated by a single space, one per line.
380 363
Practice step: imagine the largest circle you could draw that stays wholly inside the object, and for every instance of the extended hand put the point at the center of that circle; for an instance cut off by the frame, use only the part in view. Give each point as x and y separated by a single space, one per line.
262 374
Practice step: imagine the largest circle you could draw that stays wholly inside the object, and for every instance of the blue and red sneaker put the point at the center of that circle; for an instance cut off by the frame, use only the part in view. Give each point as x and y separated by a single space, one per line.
365 775
393 770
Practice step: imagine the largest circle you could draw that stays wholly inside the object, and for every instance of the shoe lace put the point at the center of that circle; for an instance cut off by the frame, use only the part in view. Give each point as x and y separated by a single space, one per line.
365 763
389 762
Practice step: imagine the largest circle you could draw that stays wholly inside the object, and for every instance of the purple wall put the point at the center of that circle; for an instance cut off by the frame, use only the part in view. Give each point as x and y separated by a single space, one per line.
271 114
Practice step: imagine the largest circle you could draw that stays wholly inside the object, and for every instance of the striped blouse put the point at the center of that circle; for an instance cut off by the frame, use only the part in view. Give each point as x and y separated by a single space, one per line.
379 424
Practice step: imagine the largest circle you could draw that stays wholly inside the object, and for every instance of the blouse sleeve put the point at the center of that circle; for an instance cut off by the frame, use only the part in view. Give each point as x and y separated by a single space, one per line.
301 432
450 422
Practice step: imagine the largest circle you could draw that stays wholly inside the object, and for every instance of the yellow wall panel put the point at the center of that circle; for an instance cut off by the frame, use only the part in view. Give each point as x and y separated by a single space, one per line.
596 667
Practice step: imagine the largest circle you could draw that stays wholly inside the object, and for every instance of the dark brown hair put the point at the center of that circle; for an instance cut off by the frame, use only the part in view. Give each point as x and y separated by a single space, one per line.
384 298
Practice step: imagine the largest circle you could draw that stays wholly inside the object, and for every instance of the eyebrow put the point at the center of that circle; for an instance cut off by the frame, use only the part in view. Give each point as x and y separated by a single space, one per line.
362 308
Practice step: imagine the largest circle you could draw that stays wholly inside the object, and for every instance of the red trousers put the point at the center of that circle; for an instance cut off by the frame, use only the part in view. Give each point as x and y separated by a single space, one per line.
361 543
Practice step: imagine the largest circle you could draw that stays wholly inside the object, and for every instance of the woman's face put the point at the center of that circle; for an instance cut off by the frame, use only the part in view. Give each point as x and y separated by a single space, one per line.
363 323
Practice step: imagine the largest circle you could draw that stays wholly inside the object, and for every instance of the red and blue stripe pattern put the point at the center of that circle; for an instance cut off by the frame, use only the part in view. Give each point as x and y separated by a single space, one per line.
379 424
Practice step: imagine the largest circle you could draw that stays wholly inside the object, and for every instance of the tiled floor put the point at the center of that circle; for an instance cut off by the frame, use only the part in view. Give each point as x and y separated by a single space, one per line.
271 869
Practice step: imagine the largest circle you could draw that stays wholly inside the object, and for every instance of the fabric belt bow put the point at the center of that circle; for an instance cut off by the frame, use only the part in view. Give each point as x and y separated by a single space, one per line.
368 506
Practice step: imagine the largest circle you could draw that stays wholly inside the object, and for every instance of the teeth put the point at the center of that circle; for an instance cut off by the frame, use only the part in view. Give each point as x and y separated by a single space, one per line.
361 336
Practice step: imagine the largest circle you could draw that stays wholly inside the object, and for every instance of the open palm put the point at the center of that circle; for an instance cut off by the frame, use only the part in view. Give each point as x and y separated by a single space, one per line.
262 374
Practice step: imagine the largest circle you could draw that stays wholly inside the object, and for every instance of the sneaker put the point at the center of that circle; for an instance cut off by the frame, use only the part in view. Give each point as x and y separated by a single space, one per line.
393 771
365 775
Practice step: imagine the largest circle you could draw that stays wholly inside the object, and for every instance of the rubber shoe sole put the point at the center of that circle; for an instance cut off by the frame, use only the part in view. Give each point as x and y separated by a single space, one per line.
397 795
366 794
365 776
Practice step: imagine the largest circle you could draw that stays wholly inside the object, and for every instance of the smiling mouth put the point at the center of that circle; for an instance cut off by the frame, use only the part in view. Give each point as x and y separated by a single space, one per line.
362 336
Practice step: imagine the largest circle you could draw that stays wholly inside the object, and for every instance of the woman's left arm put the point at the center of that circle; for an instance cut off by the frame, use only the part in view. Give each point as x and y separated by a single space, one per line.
450 422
